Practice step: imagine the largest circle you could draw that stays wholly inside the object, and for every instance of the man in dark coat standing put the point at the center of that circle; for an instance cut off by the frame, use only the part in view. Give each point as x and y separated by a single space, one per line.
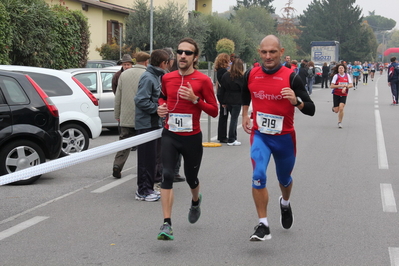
127 63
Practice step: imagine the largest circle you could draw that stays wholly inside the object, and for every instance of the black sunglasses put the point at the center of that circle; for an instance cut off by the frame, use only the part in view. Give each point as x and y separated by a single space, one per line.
187 52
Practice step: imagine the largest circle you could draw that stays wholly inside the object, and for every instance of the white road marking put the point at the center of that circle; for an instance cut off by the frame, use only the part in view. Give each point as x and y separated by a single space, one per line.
388 199
113 184
382 153
52 201
22 226
387 196
394 255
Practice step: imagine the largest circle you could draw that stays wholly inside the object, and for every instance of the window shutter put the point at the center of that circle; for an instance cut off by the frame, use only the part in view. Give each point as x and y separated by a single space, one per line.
109 32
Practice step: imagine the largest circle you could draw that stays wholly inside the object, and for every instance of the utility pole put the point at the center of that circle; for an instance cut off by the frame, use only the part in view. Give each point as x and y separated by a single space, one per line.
120 40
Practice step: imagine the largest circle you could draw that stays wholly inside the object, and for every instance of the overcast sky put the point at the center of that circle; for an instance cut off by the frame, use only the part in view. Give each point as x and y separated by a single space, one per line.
385 8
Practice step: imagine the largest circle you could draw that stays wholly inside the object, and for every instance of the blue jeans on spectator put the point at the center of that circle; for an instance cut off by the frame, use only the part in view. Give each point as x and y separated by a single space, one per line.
310 85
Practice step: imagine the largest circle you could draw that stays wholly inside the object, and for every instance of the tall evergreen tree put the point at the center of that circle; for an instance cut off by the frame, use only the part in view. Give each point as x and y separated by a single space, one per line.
222 28
198 29
257 23
255 3
380 25
169 26
337 20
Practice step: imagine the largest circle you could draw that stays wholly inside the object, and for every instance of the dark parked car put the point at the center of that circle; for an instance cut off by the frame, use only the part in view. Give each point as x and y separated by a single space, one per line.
29 125
101 63
77 106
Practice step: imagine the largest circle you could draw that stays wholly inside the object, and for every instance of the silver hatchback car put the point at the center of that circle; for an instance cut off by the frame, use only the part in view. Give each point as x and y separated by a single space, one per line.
99 82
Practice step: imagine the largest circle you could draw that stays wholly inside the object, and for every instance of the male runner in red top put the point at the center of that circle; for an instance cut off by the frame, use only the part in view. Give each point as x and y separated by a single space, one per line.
185 94
275 91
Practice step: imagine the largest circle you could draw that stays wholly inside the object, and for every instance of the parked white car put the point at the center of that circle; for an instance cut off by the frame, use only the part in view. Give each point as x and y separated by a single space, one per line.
77 106
99 82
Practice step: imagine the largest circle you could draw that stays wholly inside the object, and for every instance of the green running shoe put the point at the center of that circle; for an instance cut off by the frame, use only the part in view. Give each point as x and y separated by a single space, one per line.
166 232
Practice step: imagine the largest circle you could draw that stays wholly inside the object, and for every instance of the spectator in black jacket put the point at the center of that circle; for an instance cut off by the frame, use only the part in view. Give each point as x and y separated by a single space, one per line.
324 76
230 95
303 74
127 63
222 64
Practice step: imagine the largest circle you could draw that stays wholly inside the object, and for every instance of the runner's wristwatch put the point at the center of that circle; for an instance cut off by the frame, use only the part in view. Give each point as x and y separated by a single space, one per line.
197 100
298 101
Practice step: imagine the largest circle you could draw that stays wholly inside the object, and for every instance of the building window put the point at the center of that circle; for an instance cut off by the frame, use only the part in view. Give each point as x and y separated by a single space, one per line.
114 32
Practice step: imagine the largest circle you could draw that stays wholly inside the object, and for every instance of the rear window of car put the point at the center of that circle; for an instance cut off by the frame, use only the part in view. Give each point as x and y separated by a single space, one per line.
2 100
53 86
13 92
94 65
99 65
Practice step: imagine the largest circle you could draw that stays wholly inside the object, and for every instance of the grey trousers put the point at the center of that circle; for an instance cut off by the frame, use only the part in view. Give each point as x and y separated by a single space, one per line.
121 156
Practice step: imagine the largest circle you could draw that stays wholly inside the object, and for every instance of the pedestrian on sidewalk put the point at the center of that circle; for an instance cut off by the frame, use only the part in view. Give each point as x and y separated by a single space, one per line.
127 63
147 120
230 96
222 65
125 108
324 76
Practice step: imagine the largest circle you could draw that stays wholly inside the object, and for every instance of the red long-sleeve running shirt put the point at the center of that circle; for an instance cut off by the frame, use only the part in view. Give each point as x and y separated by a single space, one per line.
265 92
202 87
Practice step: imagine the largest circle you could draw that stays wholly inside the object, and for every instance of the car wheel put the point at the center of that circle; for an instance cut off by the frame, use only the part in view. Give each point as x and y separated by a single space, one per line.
74 139
19 155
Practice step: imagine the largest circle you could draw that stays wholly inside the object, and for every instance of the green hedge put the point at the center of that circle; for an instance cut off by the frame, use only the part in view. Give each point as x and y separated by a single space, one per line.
72 39
5 36
42 36
203 65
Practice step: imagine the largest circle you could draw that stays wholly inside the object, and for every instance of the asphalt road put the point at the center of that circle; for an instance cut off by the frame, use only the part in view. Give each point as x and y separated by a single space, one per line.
344 201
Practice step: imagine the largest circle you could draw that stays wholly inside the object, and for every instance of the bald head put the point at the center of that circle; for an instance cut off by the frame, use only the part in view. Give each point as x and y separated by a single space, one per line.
271 39
270 51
